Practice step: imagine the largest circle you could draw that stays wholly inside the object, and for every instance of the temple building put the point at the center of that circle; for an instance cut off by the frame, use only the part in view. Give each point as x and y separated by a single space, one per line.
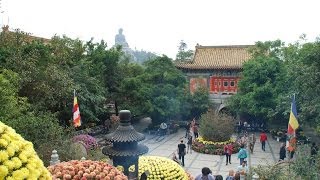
217 68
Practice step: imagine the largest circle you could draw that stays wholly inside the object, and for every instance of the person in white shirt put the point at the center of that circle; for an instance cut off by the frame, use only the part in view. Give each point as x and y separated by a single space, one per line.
163 128
243 170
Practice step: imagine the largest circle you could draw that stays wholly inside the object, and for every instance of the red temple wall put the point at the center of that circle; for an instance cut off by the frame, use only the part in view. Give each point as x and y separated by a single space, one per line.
223 84
196 83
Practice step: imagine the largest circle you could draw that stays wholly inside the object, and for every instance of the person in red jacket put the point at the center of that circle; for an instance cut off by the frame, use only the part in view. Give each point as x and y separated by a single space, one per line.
228 152
263 139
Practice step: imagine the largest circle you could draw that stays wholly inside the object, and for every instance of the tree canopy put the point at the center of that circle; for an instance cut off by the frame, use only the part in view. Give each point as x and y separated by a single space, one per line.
183 53
273 75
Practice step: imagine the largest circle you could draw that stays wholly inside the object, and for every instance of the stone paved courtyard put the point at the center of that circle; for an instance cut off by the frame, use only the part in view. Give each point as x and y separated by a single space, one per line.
195 161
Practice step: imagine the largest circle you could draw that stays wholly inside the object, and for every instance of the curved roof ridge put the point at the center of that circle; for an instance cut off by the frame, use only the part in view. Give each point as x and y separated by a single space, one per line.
224 46
218 57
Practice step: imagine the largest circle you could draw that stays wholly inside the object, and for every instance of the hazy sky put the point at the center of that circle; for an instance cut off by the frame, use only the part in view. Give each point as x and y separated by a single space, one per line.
159 25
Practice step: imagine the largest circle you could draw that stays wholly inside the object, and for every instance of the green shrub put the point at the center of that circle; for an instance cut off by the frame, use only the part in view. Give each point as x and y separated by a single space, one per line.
216 127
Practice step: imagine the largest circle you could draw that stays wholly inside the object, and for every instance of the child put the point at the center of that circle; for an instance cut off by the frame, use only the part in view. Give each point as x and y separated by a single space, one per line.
174 158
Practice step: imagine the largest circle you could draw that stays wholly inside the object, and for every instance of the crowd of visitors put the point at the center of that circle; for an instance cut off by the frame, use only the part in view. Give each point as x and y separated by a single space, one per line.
240 174
246 142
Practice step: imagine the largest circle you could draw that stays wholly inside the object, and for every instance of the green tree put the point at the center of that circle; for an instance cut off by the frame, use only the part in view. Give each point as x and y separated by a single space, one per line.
11 105
194 105
133 93
50 71
263 83
303 69
163 86
184 54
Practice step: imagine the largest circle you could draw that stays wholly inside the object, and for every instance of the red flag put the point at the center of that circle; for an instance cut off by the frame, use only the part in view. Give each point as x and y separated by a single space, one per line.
76 112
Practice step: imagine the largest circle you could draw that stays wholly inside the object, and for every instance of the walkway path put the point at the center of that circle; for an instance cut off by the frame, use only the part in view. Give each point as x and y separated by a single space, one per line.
195 161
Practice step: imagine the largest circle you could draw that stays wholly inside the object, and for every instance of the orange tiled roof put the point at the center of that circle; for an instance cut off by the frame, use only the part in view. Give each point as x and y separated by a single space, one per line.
218 57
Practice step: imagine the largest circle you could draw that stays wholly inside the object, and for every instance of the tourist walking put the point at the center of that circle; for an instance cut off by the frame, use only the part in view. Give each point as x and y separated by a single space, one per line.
188 127
252 141
181 151
242 155
193 123
244 140
263 139
189 144
282 152
195 131
243 170
228 152
205 174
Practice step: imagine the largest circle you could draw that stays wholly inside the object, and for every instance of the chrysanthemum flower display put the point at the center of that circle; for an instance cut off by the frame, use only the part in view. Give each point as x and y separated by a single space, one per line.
88 141
85 169
18 159
160 168
211 147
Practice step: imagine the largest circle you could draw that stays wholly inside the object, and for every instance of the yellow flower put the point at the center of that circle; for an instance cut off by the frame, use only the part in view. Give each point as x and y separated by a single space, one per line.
161 168
10 178
10 164
3 156
34 173
10 151
18 174
6 137
23 157
17 162
120 168
3 171
3 143
21 152
31 166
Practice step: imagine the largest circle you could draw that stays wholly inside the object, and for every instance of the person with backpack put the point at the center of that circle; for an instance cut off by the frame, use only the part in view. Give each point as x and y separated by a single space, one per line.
242 155
205 174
